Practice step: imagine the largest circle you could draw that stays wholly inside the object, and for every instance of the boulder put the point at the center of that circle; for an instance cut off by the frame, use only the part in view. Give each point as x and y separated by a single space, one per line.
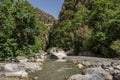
86 63
94 70
95 64
41 56
14 70
20 59
117 67
98 70
86 77
58 53
80 66
39 60
31 59
13 67
109 68
116 74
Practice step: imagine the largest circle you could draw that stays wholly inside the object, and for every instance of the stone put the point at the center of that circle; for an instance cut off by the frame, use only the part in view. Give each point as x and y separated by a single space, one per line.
95 64
39 60
116 74
20 59
58 53
98 70
41 56
106 64
79 77
86 77
14 70
86 63
94 70
113 72
16 74
117 67
31 59
80 66
109 68
13 67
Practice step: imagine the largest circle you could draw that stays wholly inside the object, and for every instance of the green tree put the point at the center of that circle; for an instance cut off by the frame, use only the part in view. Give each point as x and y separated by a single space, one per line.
67 33
7 26
104 19
19 29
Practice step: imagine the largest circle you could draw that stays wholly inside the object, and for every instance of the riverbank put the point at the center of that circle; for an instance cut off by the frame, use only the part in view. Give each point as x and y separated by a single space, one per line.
70 67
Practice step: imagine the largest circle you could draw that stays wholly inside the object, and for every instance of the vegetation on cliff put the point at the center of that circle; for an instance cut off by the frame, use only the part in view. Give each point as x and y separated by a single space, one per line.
88 25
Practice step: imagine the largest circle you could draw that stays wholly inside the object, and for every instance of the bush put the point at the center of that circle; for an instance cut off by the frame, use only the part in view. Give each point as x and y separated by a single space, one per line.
116 46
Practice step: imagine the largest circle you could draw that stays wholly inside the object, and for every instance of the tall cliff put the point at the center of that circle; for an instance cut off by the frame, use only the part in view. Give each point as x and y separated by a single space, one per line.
45 17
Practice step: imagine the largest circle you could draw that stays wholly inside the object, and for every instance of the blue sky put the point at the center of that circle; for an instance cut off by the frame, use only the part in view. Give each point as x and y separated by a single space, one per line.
52 7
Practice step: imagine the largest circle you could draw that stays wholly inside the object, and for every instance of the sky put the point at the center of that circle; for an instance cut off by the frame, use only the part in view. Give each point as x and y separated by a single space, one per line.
52 7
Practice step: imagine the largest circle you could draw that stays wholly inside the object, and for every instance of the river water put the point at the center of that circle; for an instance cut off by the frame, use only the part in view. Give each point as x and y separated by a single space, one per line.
54 70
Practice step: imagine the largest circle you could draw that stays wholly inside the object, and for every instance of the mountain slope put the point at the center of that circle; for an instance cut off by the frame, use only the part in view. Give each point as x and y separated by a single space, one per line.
45 17
88 25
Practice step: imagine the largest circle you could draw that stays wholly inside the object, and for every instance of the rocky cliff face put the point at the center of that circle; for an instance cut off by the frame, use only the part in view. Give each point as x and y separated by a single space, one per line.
45 17
70 7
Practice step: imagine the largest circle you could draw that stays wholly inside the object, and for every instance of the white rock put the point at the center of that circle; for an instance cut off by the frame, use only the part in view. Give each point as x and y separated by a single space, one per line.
60 54
14 70
20 59
79 66
39 60
86 77
109 68
13 67
98 70
16 74
86 63
117 67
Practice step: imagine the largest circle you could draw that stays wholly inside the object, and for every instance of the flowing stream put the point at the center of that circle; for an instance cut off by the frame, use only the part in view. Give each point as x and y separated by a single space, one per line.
53 70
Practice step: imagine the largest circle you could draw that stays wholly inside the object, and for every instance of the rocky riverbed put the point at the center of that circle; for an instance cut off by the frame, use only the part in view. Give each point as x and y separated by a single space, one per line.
76 68
96 68
63 68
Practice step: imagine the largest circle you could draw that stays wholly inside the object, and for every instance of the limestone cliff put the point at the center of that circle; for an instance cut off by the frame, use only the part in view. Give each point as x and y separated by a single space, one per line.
45 17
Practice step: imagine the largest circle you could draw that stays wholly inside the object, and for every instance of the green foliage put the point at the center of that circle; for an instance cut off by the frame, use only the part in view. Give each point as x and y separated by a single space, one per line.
62 36
116 46
67 34
102 18
83 39
19 29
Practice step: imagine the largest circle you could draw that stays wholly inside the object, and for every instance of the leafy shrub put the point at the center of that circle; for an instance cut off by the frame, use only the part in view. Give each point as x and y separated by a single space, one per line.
116 46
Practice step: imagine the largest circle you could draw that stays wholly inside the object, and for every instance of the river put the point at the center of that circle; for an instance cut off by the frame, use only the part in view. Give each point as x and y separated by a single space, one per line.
54 70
